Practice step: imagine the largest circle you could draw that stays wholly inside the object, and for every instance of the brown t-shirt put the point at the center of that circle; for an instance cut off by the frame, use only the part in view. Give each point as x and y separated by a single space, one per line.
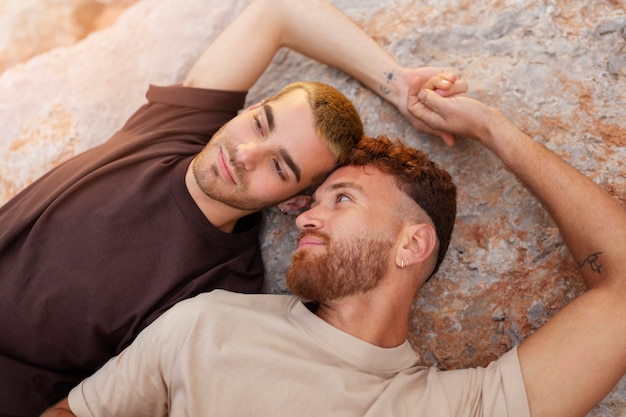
98 248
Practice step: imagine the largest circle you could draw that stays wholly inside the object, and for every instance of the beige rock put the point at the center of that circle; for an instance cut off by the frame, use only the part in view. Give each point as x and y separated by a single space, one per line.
31 27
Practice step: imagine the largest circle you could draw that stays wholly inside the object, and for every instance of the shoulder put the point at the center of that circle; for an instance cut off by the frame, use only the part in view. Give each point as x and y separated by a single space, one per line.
214 313
176 110
201 98
498 387
222 303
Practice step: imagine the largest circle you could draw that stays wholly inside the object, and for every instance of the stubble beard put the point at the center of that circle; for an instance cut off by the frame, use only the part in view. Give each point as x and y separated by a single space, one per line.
206 175
351 267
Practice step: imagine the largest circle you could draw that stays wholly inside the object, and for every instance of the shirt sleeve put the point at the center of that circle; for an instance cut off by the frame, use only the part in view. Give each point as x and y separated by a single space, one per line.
177 112
495 391
200 98
134 383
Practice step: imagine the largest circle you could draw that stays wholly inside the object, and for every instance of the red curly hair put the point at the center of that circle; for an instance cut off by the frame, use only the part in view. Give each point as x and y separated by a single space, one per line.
416 175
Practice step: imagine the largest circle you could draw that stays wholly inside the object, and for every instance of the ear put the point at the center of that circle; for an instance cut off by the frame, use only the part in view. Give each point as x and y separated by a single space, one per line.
295 203
418 244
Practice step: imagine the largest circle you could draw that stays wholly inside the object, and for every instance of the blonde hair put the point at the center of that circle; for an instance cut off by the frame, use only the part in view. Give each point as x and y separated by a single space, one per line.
336 119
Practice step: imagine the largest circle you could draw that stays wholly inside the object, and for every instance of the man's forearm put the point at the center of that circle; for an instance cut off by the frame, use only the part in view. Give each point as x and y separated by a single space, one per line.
320 31
242 52
592 327
317 29
57 412
592 223
61 409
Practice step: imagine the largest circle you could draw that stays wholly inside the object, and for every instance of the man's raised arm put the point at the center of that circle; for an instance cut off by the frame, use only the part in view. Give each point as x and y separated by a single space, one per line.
571 363
243 51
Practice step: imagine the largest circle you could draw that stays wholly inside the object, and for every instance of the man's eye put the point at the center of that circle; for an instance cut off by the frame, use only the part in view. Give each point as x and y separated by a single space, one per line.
257 124
279 170
342 198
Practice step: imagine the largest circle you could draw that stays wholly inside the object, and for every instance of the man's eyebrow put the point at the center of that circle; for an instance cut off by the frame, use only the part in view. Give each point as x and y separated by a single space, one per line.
290 163
283 152
269 116
339 186
352 185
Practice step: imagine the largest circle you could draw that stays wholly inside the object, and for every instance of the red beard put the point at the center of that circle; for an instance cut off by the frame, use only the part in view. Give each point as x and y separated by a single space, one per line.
349 267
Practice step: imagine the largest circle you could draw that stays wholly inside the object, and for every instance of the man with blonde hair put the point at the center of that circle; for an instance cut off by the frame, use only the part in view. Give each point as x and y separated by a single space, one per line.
101 246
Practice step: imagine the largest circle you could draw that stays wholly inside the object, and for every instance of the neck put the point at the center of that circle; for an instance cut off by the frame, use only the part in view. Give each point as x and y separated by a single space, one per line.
222 216
369 317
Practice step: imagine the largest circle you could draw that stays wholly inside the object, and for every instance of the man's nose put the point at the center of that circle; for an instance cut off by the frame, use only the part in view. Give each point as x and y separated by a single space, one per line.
310 219
249 154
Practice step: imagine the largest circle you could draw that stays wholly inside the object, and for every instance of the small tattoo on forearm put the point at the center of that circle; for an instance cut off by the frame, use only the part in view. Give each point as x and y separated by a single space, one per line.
592 260
390 76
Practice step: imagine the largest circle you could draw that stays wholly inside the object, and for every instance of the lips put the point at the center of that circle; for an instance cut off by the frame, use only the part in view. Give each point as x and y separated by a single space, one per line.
312 239
224 168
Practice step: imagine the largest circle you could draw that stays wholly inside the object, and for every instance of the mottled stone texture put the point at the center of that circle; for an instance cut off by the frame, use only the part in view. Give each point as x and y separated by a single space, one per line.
556 68
30 27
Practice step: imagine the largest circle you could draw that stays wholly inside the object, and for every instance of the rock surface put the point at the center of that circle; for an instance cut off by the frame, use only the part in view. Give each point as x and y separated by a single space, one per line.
556 68
30 27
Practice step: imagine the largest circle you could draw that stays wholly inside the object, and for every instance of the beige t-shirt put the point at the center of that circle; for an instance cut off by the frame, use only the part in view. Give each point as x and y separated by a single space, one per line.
226 354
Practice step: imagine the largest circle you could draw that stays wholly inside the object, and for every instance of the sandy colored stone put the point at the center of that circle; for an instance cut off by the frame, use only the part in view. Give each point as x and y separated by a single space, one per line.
31 27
